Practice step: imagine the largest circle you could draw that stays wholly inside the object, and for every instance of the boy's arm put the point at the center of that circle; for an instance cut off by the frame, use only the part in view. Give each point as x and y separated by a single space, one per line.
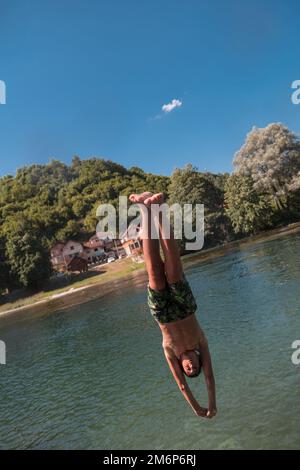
209 376
183 386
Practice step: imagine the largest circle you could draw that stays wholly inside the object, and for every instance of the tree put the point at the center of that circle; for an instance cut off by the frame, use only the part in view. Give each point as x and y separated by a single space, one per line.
271 157
249 211
4 266
189 186
27 254
70 231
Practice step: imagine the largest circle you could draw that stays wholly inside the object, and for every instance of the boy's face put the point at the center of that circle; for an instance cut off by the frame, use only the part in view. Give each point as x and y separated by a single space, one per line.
190 362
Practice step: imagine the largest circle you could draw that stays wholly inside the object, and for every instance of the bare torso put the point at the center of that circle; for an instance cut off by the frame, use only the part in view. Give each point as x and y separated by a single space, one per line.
182 335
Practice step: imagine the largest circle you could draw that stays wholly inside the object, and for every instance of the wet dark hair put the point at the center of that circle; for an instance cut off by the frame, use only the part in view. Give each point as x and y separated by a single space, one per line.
196 374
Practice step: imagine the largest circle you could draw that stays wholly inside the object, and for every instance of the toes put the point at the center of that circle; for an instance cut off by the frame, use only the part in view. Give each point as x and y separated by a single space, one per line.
136 198
146 195
149 201
154 199
140 198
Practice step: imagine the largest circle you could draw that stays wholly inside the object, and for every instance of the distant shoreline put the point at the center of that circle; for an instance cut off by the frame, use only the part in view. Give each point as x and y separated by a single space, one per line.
75 296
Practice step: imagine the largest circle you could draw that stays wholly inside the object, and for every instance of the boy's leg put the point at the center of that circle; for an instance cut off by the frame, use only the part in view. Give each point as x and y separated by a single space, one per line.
182 303
151 250
172 261
173 266
154 264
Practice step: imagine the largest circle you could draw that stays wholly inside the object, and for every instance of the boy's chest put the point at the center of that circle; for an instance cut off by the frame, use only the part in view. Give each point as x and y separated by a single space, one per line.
179 342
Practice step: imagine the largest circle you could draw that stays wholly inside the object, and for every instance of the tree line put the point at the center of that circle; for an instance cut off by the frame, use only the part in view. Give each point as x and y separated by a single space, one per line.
55 201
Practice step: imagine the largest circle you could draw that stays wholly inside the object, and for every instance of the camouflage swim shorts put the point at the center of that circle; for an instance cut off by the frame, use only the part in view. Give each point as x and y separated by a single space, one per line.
174 303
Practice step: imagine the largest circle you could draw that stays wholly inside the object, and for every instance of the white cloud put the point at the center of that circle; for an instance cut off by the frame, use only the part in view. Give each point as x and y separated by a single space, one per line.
167 108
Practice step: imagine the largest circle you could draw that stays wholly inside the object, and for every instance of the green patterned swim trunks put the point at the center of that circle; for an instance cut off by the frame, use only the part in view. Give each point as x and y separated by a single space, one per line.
174 303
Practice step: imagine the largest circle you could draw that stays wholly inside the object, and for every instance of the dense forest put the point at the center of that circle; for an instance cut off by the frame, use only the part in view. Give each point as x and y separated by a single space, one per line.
45 203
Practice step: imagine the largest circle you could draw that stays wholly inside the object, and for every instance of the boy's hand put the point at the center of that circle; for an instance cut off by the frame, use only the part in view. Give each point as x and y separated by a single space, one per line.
211 412
201 411
206 412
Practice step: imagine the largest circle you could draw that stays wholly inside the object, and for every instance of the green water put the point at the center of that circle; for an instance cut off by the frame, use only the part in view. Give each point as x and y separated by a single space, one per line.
94 377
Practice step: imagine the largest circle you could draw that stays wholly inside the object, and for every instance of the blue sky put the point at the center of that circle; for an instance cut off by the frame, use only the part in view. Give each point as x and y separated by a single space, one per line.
90 78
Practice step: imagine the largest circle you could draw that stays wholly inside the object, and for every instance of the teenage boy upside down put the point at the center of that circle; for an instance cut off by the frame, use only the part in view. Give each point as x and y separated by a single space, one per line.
173 306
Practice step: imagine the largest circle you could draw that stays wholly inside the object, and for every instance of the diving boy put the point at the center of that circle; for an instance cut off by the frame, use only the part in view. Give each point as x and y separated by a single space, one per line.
173 306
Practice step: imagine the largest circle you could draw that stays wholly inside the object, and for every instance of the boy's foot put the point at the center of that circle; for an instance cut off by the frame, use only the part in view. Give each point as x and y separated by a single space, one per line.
140 198
157 198
147 198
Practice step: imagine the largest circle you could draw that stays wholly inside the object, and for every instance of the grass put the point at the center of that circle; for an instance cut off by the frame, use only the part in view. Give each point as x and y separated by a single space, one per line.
113 271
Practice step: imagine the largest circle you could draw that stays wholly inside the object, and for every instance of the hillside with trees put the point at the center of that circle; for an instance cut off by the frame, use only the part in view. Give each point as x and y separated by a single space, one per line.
45 203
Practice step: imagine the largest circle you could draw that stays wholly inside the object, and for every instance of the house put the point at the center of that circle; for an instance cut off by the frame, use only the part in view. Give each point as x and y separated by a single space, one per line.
132 247
131 233
95 241
93 252
117 249
112 246
108 244
62 253
72 249
131 241
77 264
57 257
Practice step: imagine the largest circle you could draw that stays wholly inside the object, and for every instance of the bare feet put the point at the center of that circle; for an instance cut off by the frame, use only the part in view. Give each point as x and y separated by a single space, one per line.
157 198
147 198
140 198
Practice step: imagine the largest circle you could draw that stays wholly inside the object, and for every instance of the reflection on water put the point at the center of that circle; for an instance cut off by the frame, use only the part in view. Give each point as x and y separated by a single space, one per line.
94 376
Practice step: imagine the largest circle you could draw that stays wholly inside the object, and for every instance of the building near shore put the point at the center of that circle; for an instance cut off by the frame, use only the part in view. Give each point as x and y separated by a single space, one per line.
72 249
62 254
77 264
57 257
93 252
131 241
132 247
112 246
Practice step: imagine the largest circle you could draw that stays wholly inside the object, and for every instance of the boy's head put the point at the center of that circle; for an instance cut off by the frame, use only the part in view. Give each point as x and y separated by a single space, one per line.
191 363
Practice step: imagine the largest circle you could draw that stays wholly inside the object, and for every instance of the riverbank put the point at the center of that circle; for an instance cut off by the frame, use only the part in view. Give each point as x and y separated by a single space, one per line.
121 274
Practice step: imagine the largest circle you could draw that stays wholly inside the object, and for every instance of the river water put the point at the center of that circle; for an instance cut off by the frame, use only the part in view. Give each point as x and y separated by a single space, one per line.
94 377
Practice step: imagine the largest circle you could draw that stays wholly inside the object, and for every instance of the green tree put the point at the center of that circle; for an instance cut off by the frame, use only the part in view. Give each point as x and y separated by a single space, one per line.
249 211
27 254
71 231
5 281
189 186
